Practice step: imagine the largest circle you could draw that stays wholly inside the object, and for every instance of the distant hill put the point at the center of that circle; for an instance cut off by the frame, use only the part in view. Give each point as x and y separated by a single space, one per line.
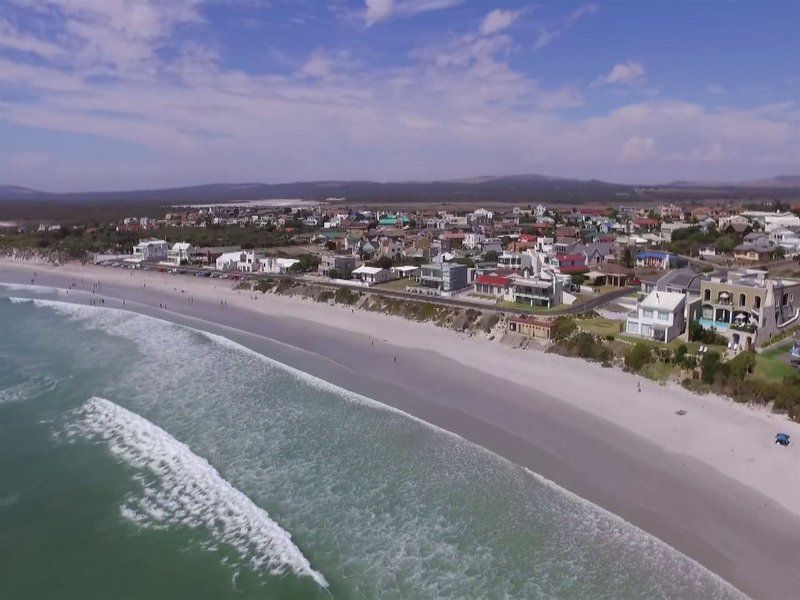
18 203
22 203
781 181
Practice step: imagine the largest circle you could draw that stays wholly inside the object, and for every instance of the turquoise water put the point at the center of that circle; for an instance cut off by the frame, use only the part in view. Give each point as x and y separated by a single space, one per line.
139 458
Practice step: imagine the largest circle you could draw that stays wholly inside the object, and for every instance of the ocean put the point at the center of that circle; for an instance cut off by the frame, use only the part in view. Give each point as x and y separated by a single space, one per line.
141 458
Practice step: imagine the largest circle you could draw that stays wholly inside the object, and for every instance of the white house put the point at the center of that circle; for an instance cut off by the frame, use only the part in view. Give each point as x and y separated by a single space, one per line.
150 249
659 316
372 275
473 240
271 264
788 239
249 261
405 271
179 253
228 261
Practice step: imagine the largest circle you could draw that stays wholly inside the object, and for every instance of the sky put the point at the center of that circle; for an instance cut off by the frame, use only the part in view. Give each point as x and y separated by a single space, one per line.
109 95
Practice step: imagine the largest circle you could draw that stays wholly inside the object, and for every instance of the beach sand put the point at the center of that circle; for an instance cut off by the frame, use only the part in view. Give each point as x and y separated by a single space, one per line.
711 483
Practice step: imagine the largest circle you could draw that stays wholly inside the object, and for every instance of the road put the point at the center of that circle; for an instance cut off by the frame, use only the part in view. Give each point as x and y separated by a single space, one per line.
575 309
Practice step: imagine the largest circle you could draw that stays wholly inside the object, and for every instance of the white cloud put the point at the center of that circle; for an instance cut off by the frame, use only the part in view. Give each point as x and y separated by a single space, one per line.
498 20
382 10
377 10
11 37
637 149
581 11
317 65
546 36
456 108
627 73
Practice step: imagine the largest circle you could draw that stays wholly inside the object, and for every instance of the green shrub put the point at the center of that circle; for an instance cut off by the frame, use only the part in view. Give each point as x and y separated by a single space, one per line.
345 296
710 366
564 327
637 357
742 365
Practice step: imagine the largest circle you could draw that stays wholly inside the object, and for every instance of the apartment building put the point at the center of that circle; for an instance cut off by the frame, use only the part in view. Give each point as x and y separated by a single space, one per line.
150 249
747 307
440 279
341 264
536 291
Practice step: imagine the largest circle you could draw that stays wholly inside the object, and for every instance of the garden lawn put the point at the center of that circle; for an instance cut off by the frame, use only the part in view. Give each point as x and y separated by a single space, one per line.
600 326
769 365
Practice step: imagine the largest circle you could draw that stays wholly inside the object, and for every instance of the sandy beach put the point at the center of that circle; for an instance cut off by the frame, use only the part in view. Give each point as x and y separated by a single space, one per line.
711 483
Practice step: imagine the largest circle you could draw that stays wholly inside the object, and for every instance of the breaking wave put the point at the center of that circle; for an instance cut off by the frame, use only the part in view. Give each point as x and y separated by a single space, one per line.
181 488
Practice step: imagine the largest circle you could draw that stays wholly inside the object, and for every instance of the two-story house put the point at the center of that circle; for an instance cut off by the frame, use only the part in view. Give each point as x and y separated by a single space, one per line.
659 316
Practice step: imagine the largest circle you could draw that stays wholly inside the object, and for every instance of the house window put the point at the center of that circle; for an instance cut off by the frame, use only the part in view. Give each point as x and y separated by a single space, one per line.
707 295
785 299
757 302
742 299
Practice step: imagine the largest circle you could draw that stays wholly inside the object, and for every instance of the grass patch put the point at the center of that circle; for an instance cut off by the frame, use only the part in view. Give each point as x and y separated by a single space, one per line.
770 367
600 326
659 371
397 285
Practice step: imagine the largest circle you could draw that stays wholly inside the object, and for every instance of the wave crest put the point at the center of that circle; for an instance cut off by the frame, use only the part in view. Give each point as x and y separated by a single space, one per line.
181 488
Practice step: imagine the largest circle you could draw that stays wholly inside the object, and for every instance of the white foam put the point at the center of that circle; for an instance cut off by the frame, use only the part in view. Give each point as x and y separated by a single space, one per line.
111 318
15 300
28 287
594 517
181 488
27 389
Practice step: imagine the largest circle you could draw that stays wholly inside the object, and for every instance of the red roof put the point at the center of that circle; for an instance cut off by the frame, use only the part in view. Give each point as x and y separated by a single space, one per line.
563 257
526 237
493 280
573 269
645 221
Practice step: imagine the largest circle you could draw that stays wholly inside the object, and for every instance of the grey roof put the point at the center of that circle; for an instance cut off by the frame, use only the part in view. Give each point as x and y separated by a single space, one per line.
680 278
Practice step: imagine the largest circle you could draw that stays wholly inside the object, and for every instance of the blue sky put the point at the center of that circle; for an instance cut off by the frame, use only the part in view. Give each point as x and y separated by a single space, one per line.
100 94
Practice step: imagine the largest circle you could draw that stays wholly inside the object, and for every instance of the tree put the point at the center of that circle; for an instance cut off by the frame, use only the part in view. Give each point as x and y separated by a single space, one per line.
638 356
627 257
724 244
680 354
334 274
564 327
384 262
489 256
710 365
742 365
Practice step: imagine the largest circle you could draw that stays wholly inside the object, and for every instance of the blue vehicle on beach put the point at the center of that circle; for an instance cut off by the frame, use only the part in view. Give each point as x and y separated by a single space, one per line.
782 439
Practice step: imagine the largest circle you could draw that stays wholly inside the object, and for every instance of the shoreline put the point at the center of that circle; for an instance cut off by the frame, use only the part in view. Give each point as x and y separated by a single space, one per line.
558 417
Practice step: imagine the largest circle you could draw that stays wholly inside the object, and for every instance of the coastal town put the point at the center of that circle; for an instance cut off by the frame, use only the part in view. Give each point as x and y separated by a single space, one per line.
705 284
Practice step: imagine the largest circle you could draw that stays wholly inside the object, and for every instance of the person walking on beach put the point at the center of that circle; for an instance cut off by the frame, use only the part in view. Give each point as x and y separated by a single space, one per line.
639 386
